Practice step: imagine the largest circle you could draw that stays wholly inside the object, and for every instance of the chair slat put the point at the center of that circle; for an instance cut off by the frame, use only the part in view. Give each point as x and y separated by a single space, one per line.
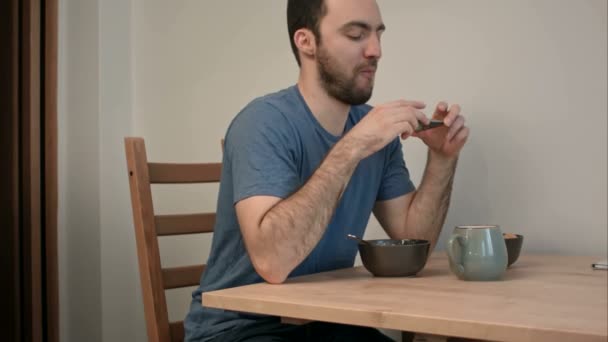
176 277
184 224
177 331
171 173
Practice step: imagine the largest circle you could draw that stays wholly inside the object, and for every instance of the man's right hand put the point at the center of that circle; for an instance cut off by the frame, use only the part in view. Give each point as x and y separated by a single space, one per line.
383 124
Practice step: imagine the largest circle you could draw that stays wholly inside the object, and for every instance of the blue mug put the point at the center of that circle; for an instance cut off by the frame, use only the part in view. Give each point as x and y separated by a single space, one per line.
477 253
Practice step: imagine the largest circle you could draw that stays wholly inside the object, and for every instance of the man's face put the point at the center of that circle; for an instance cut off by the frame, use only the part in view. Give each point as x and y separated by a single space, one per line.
348 53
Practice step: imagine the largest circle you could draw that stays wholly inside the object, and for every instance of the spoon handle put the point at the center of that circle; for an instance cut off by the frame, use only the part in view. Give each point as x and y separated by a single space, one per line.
351 236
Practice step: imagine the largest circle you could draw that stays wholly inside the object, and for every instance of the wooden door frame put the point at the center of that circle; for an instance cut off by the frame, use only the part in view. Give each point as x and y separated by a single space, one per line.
28 169
51 183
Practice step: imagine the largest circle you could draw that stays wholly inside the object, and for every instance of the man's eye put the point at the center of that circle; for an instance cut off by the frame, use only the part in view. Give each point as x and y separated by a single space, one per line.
356 36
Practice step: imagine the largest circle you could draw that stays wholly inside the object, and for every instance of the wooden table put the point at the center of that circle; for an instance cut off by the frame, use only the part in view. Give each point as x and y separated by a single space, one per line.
541 298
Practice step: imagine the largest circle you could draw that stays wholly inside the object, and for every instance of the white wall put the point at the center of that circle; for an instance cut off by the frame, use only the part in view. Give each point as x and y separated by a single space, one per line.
79 170
122 306
531 77
100 296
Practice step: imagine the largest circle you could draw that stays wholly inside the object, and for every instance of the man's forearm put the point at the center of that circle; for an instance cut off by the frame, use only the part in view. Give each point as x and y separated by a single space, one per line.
294 226
429 207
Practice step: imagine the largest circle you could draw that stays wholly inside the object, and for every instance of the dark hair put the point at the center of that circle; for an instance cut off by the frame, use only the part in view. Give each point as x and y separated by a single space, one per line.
304 14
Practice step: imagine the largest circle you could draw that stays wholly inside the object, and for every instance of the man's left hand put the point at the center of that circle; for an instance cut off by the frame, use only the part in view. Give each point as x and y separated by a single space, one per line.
449 139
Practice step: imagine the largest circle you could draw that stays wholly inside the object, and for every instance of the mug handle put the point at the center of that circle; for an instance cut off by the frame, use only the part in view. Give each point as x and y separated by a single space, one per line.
456 257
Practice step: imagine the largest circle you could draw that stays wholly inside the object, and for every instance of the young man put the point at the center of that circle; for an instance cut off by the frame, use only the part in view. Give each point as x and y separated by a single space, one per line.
307 165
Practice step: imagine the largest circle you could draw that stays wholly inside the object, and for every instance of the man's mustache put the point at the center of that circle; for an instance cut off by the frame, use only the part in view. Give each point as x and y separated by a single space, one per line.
372 63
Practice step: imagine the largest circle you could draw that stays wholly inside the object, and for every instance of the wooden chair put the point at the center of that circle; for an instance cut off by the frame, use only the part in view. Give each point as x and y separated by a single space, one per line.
148 227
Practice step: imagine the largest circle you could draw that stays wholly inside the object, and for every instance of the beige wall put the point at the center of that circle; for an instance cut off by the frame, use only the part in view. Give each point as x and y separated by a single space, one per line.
79 221
99 283
531 77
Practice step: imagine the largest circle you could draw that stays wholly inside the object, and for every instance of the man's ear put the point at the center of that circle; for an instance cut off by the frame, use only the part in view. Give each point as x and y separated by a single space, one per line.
305 42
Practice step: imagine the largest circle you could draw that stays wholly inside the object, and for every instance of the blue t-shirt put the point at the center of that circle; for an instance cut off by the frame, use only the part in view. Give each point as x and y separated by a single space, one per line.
272 148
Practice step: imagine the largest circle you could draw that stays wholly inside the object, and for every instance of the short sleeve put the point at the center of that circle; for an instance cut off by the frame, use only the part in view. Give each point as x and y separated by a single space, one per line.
260 146
396 177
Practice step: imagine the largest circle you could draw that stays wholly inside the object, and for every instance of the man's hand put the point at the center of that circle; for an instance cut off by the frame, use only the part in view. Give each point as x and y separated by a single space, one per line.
448 140
383 124
421 214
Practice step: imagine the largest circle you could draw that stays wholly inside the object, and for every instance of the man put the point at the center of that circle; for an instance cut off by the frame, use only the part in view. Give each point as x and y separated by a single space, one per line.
307 165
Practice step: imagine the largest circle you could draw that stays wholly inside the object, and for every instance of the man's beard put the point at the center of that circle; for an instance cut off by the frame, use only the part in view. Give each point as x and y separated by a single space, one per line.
339 85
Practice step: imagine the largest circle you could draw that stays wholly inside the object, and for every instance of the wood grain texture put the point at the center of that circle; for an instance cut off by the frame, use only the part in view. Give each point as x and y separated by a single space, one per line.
31 170
177 331
179 224
541 298
183 276
171 173
51 238
153 293
10 243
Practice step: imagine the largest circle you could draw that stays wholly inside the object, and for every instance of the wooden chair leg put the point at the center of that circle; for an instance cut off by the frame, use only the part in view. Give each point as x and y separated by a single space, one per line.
407 336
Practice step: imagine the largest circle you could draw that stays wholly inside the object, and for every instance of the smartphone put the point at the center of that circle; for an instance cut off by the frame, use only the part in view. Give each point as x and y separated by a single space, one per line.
432 124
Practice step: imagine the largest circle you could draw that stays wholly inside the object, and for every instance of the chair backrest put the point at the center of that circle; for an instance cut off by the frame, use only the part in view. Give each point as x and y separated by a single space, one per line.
149 226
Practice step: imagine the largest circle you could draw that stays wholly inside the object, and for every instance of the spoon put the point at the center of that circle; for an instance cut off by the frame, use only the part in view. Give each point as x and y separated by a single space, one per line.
351 236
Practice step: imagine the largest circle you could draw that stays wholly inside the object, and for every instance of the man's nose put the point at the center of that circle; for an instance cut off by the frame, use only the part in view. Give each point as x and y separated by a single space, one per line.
373 48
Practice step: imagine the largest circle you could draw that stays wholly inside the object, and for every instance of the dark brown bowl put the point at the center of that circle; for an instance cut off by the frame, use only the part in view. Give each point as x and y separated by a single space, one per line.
513 248
394 258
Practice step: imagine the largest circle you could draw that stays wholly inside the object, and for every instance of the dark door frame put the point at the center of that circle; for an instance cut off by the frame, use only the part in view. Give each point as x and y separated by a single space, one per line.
29 288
